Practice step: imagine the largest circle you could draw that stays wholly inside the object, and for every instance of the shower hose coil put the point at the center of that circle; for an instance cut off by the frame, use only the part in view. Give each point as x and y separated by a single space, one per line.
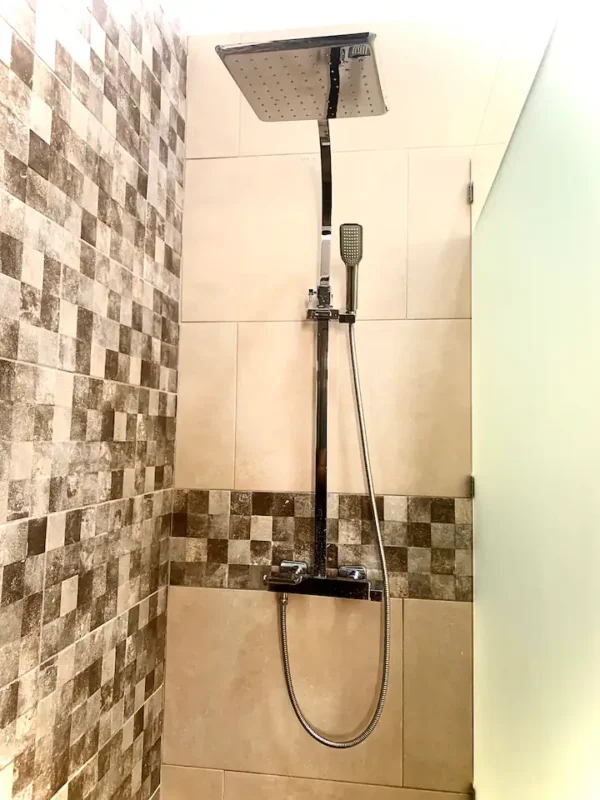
385 669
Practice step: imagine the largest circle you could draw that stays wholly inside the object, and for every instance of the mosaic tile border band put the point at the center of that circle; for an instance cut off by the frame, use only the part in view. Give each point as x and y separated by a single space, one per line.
231 539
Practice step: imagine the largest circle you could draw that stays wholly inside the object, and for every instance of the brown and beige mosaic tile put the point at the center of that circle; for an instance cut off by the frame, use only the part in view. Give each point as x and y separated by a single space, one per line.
233 539
92 151
82 626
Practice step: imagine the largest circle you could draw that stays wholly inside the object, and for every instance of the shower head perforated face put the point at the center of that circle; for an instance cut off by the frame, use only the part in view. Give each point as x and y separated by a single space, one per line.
351 243
351 250
320 78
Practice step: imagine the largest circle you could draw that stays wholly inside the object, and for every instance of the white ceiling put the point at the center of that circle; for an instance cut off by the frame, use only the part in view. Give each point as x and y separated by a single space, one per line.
241 16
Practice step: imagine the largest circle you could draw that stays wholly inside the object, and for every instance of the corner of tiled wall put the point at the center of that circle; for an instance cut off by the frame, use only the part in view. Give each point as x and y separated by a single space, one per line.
92 132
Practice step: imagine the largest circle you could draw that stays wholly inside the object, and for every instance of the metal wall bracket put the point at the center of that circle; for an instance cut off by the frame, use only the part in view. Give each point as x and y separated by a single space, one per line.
322 313
357 573
470 192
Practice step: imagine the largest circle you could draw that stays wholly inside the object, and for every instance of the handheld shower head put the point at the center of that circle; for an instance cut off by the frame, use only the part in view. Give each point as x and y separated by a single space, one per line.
351 250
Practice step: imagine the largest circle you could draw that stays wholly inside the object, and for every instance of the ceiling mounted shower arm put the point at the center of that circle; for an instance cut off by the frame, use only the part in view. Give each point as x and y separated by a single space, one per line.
324 292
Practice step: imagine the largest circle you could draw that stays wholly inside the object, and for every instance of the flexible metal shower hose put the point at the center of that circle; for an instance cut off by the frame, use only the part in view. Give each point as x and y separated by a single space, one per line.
385 672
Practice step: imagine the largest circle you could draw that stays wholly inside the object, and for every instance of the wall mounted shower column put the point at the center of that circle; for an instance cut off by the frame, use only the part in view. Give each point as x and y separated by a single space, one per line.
323 315
322 78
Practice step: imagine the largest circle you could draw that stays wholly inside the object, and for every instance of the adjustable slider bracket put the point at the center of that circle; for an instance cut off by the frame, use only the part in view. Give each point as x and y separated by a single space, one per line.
319 314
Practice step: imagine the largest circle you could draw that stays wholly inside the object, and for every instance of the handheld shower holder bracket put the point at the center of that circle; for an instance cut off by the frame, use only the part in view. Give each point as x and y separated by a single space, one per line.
319 314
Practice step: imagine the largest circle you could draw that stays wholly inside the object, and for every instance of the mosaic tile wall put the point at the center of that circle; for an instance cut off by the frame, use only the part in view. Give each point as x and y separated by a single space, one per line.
92 131
232 539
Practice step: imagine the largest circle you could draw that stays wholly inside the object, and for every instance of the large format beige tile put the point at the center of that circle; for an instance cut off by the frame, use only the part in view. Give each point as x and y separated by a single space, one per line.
435 94
245 786
439 234
438 706
274 428
250 238
213 101
251 235
372 188
415 377
186 783
226 702
204 450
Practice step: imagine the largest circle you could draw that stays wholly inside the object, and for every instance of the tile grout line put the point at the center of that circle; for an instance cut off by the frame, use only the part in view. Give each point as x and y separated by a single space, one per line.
471 338
311 491
407 233
95 756
235 409
96 249
41 366
303 320
21 520
315 153
451 792
402 684
76 642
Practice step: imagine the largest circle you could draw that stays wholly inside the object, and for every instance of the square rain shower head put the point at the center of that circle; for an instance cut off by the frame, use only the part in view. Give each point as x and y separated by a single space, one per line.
323 77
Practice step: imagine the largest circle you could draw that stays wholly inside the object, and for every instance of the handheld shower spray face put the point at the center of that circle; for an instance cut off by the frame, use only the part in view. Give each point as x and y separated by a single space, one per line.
351 250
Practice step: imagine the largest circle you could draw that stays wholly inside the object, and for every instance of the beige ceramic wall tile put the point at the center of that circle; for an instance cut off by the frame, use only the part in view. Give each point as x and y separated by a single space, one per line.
250 238
438 714
485 163
521 57
6 780
206 406
213 101
274 430
226 702
415 377
434 94
372 188
439 234
244 786
185 783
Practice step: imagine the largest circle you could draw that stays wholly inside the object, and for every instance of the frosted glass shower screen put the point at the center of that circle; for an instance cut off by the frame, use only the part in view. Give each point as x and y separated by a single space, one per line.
536 395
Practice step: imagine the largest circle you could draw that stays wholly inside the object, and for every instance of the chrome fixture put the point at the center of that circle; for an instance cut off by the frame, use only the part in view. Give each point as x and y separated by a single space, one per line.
319 77
351 243
322 78
356 573
292 572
